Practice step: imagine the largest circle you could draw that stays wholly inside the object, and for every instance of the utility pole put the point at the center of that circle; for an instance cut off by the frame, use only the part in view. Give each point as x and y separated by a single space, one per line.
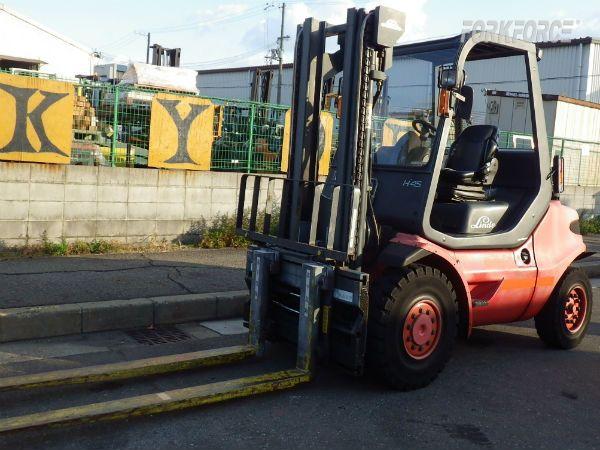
280 54
148 50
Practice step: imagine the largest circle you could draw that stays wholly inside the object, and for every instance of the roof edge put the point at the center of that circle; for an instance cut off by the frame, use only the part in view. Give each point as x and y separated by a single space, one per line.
547 97
45 29
243 69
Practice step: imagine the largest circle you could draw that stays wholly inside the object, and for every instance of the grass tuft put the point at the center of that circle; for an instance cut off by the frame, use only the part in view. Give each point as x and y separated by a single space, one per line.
590 225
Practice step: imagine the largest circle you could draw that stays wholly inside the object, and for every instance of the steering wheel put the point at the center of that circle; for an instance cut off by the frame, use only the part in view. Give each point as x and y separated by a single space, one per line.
423 128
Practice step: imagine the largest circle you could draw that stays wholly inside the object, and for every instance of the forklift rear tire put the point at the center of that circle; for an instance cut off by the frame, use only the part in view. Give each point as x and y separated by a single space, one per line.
413 325
563 321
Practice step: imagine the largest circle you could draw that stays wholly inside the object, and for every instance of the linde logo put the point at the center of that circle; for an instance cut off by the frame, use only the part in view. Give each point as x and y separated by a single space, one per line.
28 121
484 222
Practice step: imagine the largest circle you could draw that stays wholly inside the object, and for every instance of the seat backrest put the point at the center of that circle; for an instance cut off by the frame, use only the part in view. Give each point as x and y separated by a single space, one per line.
474 147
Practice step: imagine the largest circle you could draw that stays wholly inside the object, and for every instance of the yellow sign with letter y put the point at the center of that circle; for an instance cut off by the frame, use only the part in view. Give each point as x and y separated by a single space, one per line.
181 132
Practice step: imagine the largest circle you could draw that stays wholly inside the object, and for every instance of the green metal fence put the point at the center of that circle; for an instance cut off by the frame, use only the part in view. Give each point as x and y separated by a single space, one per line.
111 126
582 158
248 136
117 132
251 136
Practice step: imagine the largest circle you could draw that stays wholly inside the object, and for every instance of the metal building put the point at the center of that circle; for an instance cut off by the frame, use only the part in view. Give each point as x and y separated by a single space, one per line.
566 117
28 45
568 68
236 83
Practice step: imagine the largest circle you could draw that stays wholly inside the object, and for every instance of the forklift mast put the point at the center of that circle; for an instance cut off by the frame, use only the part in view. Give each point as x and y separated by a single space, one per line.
326 219
304 272
261 85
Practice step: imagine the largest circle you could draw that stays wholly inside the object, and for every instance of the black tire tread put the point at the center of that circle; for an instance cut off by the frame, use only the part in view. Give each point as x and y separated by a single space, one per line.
545 322
382 302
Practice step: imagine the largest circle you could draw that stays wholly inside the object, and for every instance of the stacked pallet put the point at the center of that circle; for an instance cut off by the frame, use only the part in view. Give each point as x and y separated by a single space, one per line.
84 114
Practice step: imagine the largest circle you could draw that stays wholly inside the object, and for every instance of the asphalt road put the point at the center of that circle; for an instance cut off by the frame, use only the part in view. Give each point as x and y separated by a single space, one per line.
502 389
55 280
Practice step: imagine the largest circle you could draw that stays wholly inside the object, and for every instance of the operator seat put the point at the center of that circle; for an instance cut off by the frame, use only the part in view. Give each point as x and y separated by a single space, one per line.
471 165
464 202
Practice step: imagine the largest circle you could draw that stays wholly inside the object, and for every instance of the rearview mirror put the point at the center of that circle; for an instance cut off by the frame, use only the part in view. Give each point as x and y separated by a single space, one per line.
449 78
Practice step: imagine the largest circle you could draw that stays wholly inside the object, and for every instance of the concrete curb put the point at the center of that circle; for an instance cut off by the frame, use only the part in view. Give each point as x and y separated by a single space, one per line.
57 320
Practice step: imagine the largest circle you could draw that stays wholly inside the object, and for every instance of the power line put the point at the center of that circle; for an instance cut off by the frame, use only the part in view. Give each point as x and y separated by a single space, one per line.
479 83
120 40
225 59
246 14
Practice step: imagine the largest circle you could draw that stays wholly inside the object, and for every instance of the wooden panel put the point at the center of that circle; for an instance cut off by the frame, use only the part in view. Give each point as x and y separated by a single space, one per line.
325 142
181 132
393 130
285 146
36 118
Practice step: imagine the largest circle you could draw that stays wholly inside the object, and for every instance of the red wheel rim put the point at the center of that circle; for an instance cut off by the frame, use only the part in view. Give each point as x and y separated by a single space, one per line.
422 329
575 309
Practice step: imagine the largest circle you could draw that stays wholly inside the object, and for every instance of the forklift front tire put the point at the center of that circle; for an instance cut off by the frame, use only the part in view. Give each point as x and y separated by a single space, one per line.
563 321
412 326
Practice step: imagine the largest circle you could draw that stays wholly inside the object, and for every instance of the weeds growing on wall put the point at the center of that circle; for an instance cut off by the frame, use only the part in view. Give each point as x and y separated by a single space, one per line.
63 248
221 231
590 226
217 233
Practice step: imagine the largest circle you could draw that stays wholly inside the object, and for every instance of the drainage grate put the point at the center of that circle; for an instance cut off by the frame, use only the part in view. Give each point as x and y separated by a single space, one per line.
158 335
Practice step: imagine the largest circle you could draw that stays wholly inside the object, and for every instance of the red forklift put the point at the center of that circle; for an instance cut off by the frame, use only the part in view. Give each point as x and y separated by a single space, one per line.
395 253
403 248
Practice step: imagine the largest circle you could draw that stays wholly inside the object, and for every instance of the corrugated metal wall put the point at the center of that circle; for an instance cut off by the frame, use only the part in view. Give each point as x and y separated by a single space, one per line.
577 122
409 85
559 72
563 119
234 85
563 70
593 85
572 71
237 85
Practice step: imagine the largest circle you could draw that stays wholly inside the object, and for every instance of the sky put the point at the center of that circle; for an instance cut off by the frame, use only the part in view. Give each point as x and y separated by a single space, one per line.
214 34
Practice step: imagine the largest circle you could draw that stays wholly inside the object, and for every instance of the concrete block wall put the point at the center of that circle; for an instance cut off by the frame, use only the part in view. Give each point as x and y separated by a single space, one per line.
585 199
135 205
112 203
